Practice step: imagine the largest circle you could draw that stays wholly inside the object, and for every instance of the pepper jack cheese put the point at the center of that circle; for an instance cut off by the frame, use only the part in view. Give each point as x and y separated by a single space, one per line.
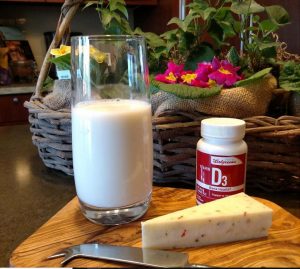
233 218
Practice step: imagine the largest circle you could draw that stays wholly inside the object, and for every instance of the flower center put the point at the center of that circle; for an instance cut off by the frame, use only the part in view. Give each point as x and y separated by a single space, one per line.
224 71
188 78
171 77
212 82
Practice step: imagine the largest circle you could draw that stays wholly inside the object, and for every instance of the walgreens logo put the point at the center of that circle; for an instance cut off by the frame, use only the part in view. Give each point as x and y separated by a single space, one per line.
225 161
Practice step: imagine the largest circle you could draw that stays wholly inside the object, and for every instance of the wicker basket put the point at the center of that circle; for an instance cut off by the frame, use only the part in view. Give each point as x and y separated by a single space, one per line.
51 130
51 133
273 150
273 159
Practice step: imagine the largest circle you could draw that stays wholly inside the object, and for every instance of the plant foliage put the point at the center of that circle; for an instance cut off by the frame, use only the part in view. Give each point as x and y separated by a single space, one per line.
219 20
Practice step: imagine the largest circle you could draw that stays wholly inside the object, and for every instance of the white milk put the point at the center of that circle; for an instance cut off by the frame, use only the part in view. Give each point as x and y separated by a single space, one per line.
112 152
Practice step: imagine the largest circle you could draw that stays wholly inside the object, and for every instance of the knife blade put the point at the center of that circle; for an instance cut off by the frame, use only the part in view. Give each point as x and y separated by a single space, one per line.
130 255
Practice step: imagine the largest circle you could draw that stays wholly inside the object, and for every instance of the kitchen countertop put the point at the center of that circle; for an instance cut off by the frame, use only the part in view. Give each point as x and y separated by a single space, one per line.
16 89
31 193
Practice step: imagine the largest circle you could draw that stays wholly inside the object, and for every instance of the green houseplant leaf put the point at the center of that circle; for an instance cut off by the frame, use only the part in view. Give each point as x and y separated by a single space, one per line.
291 86
289 78
62 62
254 77
200 54
233 56
246 6
278 15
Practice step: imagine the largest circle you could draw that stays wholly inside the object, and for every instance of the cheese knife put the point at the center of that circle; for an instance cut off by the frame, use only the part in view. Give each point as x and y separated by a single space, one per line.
129 255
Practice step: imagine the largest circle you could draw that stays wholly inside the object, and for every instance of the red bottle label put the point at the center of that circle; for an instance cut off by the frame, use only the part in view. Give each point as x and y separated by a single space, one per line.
219 176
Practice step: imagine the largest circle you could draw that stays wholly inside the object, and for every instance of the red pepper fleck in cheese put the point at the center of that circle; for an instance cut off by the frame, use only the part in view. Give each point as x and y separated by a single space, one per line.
233 218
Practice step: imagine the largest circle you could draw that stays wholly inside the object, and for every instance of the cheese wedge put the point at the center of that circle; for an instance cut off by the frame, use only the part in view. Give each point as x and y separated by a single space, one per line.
233 218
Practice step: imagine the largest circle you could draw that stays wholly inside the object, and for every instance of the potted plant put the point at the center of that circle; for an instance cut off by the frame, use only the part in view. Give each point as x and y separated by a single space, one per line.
204 39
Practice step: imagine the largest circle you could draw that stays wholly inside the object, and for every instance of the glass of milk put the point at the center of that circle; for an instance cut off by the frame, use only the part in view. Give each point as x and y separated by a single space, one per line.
112 139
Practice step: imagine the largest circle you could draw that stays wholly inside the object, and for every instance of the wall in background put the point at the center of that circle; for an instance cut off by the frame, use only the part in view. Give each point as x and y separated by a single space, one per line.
288 33
43 18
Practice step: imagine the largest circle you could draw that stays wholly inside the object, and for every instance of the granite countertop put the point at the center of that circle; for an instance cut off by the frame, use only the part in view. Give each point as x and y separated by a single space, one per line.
17 89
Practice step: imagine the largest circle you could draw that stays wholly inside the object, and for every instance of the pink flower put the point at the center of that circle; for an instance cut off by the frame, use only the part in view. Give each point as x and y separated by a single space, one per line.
170 78
191 78
224 73
175 69
172 74
206 75
188 77
203 70
200 83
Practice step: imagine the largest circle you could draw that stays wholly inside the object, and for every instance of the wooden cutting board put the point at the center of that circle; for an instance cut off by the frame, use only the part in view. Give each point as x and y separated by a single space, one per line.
68 227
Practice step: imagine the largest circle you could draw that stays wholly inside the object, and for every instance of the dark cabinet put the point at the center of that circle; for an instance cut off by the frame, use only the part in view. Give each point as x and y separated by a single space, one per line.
12 108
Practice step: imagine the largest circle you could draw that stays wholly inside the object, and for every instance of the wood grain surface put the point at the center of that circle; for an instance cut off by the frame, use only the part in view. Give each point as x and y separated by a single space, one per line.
69 227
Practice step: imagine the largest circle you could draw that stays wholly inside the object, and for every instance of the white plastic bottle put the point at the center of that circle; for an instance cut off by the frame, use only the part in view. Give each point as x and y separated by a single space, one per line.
221 159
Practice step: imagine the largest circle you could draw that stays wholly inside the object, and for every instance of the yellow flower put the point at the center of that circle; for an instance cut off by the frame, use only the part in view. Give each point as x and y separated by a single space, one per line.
62 50
98 55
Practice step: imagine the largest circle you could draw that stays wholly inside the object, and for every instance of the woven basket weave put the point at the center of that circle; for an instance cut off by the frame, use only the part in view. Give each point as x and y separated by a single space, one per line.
51 130
273 150
273 158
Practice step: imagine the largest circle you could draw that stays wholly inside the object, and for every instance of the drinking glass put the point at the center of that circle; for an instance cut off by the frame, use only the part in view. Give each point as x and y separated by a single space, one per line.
111 127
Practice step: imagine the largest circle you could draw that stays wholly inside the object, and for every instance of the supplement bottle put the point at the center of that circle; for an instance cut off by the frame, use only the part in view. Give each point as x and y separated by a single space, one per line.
221 159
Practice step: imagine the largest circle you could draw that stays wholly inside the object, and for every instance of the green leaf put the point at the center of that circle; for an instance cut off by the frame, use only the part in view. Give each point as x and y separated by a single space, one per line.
62 62
268 26
266 44
185 91
113 28
153 86
120 8
48 83
269 53
106 17
278 15
126 27
89 3
228 30
171 44
236 26
198 5
170 35
246 7
138 31
200 54
114 3
154 40
254 77
185 41
178 22
290 86
116 17
233 56
216 32
188 23
289 78
208 12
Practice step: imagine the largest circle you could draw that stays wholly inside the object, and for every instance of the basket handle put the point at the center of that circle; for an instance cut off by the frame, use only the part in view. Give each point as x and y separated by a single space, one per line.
68 11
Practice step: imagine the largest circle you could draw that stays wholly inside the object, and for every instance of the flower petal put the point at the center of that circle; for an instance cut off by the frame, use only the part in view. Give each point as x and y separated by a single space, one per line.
174 68
98 55
62 50
203 70
170 78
